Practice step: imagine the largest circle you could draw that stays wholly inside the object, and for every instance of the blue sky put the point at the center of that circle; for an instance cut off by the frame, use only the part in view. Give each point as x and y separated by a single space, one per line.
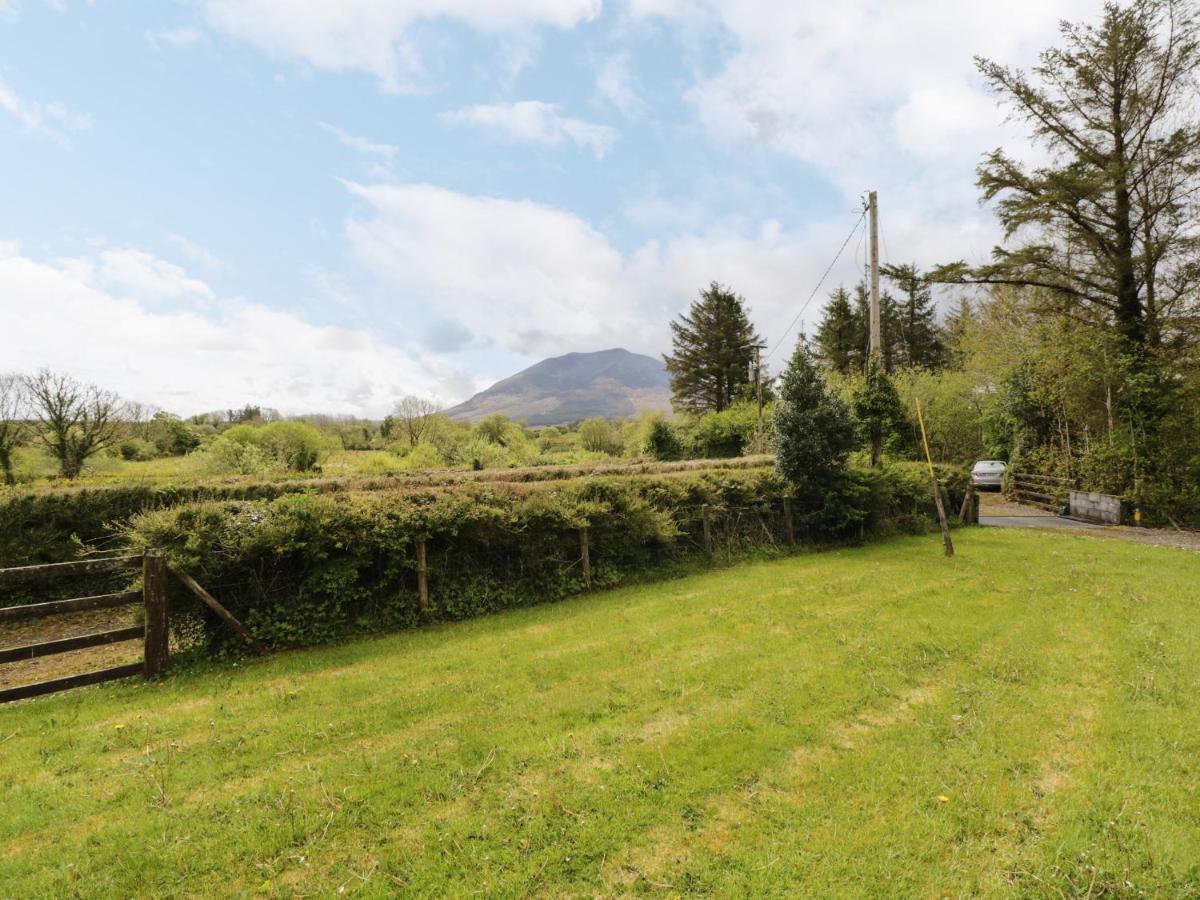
327 206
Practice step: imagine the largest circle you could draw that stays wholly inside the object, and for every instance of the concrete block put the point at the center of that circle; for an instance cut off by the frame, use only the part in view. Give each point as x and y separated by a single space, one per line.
1095 507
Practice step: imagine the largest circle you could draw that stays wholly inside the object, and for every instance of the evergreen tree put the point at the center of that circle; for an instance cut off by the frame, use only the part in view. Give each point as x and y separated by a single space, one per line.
958 325
1104 226
814 430
841 339
878 408
713 346
889 326
920 342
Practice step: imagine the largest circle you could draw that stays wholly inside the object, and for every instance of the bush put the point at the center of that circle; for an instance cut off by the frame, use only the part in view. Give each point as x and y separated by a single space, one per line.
718 435
596 436
259 450
423 456
305 569
136 450
662 442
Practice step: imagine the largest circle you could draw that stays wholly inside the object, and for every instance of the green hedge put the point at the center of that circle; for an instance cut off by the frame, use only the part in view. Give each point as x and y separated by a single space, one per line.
306 569
41 525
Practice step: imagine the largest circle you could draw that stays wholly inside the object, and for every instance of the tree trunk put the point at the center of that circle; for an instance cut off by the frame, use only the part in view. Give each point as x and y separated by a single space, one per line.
1130 319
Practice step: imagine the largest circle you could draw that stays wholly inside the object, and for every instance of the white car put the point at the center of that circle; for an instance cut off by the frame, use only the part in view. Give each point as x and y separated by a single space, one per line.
988 473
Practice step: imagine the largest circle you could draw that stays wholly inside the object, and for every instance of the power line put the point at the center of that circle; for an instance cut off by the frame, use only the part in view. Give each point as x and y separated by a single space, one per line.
825 275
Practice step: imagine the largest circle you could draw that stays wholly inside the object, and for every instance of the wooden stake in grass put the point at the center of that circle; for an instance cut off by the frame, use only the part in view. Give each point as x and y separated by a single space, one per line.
585 554
937 490
154 590
706 518
422 578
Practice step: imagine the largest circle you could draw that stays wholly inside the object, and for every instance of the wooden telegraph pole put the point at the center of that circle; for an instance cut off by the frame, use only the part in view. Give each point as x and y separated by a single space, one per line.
876 327
758 390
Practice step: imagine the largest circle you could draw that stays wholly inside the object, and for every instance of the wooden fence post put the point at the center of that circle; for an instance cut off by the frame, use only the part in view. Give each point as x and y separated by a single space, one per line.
789 526
154 596
422 577
585 553
706 516
968 505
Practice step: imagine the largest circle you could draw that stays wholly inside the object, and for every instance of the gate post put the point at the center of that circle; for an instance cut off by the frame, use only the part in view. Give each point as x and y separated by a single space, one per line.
154 596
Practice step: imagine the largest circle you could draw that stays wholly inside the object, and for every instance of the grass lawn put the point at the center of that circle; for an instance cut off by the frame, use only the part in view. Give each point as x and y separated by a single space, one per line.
1022 719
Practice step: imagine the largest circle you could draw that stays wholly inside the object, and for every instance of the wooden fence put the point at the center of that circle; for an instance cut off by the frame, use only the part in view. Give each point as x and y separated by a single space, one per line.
1047 492
153 632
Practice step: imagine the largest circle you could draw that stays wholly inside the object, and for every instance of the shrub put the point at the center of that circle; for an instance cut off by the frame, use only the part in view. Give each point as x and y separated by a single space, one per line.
596 436
259 450
137 450
718 435
423 456
662 442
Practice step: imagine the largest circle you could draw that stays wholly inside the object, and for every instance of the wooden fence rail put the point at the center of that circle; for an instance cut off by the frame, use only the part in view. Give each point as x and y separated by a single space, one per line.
1049 492
154 632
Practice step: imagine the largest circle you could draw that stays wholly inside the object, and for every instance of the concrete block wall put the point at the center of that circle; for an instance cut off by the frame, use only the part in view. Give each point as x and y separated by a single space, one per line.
1096 507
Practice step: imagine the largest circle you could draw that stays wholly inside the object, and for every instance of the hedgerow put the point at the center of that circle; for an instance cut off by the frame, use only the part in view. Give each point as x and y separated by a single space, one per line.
309 568
40 525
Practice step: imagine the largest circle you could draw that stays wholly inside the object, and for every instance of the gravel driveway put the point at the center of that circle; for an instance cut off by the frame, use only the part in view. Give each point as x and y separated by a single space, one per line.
997 511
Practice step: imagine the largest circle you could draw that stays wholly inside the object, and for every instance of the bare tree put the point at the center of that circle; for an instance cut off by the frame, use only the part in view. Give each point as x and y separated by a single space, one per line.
14 421
78 420
139 419
415 415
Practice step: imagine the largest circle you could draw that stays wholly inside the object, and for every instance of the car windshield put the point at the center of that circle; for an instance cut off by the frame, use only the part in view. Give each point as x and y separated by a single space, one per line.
989 465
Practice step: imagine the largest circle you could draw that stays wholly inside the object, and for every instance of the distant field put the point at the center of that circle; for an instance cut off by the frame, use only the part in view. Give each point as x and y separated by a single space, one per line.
364 464
1022 719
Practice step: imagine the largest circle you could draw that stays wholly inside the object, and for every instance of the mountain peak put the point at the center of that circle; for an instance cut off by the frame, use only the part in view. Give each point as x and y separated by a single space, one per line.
613 383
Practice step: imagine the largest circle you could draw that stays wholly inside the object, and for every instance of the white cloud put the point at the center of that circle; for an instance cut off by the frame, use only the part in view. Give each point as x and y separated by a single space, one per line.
538 281
374 35
534 122
533 279
173 37
52 121
199 356
360 144
196 253
614 84
135 273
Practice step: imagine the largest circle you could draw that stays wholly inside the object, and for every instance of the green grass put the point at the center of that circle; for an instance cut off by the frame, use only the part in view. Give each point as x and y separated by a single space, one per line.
1022 719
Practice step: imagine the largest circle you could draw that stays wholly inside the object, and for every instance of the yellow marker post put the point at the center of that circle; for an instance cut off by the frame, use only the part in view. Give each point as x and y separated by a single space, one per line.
937 491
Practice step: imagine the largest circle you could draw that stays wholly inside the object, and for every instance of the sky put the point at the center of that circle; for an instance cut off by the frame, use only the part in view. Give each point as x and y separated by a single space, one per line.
320 206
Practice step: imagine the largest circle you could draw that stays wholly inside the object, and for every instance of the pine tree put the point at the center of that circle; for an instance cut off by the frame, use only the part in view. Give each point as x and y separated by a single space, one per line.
958 326
841 339
920 342
878 408
713 346
889 326
814 430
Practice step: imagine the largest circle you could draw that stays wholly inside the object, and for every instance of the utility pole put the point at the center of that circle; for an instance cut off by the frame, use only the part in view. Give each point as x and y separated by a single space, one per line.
876 329
758 390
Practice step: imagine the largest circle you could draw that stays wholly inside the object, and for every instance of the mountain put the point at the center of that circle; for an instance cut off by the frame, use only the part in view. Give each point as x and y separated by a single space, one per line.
606 384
